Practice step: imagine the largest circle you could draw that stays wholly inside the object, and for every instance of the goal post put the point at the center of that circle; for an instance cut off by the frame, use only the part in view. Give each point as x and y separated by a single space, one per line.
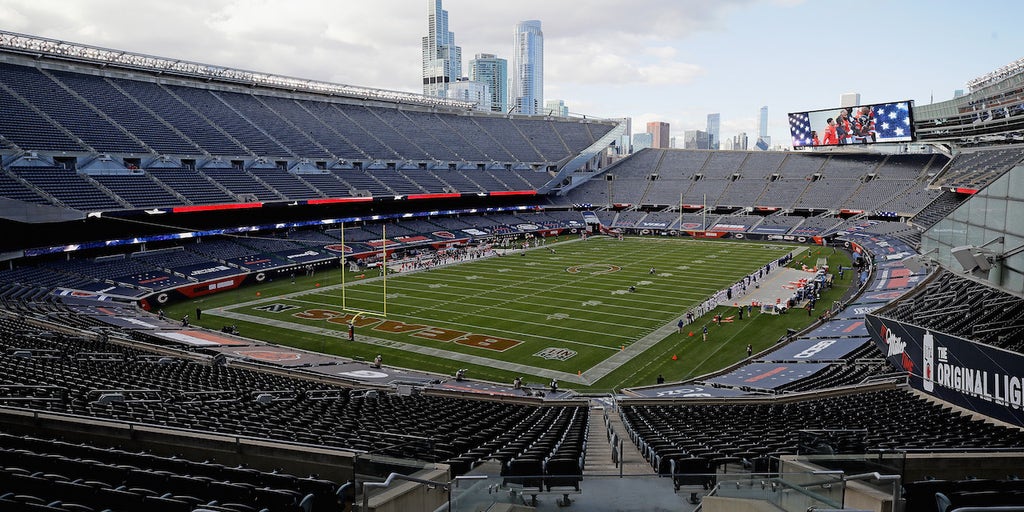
345 306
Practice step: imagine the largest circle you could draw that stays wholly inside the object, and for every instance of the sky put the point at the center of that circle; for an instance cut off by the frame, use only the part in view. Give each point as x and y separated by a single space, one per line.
650 60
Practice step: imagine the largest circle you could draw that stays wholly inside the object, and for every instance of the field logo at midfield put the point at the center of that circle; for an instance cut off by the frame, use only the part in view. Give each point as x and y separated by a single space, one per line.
594 268
556 354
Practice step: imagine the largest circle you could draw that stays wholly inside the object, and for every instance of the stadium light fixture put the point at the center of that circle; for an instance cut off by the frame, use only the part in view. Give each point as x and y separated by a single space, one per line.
974 260
978 260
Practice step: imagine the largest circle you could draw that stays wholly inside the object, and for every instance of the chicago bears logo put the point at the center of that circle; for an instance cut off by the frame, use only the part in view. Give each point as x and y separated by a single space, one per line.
444 234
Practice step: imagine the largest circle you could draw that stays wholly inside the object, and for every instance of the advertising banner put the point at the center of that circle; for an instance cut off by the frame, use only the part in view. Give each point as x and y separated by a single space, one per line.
978 377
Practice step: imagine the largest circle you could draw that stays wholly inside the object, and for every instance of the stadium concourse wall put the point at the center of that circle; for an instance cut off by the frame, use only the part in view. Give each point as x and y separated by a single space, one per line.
978 377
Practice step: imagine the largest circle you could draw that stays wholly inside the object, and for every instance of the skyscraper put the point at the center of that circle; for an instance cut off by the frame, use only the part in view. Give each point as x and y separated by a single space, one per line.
740 141
714 130
556 108
442 60
493 71
473 92
695 139
626 142
642 141
527 91
659 130
762 130
764 141
849 99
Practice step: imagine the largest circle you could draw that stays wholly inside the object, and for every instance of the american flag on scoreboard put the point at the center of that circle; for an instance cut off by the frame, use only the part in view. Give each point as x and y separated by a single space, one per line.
800 128
892 121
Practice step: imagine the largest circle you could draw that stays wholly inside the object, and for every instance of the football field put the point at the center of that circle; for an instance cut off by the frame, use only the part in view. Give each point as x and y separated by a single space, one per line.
570 307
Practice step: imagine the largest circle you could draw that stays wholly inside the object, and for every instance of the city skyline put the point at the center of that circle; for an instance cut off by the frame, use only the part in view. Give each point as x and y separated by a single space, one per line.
646 59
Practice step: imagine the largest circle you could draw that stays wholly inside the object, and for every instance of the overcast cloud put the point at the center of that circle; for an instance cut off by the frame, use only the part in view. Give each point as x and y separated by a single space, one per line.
670 60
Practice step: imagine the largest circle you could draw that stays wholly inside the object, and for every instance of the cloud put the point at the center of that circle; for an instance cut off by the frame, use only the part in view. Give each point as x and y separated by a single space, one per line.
603 57
377 44
604 62
661 52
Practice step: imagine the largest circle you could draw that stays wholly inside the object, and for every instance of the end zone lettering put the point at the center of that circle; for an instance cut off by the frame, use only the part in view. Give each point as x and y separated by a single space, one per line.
427 332
488 342
440 334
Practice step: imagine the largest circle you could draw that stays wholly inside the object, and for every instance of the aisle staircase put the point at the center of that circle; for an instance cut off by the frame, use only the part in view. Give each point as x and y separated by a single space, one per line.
609 450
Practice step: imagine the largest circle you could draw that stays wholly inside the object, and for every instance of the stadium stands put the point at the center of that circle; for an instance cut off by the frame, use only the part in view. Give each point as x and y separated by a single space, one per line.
176 142
730 433
169 108
812 226
48 474
194 187
134 116
68 187
166 391
119 107
137 189
96 132
777 224
890 185
963 307
938 208
975 169
241 183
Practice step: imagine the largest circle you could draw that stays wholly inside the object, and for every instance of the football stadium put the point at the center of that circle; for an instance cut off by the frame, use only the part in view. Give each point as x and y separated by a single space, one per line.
233 291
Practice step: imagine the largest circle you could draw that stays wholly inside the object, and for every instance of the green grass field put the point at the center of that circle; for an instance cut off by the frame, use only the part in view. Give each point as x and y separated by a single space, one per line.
500 316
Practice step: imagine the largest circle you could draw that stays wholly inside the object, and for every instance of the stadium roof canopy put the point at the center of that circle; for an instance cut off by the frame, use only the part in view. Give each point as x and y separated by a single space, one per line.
1012 69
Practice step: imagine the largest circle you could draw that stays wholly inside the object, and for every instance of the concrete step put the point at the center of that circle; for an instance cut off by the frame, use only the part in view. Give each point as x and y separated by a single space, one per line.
599 450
